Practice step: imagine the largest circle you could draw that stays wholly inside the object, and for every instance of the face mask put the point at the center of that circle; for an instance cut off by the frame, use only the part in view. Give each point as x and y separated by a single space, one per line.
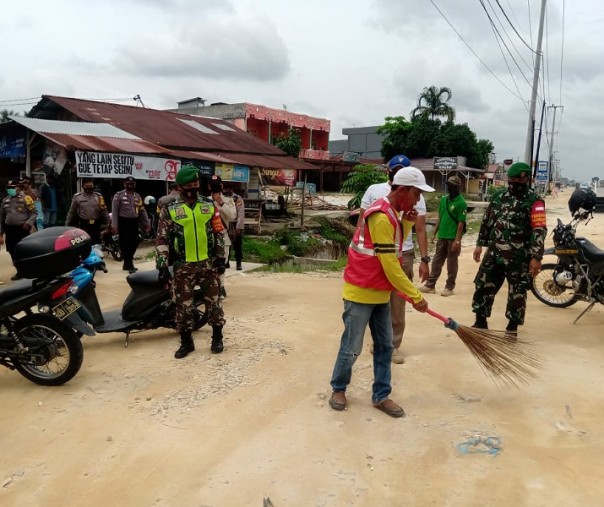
11 191
190 193
517 189
453 190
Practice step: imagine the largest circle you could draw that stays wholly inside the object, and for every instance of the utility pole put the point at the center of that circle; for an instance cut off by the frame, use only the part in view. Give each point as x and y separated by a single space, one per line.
552 175
528 149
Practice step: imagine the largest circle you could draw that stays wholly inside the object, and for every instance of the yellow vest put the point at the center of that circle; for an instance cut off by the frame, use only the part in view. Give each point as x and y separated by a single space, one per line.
193 223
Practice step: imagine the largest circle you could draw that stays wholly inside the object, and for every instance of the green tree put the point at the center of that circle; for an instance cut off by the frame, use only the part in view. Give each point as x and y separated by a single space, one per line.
5 113
359 179
291 143
425 137
433 102
395 130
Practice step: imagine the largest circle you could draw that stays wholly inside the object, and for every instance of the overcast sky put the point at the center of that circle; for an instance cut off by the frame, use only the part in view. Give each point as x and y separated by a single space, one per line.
353 62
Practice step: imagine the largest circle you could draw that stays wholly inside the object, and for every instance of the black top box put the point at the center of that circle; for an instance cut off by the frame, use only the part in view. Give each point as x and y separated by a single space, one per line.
51 252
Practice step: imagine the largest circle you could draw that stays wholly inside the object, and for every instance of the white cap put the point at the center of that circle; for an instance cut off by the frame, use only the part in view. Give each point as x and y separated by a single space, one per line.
411 177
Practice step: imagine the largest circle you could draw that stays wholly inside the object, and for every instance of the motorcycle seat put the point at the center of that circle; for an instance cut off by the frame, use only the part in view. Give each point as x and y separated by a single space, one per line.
148 278
14 290
591 251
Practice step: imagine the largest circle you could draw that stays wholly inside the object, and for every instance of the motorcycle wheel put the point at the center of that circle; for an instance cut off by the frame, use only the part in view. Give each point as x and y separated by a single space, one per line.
546 290
116 253
57 342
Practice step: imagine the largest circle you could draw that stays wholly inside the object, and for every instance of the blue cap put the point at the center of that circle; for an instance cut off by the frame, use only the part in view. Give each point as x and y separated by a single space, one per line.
398 161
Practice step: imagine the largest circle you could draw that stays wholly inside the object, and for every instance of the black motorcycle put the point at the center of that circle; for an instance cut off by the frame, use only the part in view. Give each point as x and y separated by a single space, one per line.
148 305
578 275
34 337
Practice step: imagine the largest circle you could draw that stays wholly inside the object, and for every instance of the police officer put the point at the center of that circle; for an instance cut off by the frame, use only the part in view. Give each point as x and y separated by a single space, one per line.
17 217
127 210
188 225
88 211
513 229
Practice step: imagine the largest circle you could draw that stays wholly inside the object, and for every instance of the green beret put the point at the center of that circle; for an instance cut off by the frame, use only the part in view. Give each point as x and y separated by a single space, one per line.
187 174
519 170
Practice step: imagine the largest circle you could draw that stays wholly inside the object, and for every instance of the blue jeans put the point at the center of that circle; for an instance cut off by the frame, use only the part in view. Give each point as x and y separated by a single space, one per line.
356 316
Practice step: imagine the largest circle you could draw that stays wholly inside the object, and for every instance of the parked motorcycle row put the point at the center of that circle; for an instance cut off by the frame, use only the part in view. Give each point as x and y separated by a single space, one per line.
44 315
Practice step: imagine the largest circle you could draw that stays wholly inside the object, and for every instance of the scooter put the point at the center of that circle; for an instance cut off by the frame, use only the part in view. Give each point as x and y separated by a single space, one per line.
147 306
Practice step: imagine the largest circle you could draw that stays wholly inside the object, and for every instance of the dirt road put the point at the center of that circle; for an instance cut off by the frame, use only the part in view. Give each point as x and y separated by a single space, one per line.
136 427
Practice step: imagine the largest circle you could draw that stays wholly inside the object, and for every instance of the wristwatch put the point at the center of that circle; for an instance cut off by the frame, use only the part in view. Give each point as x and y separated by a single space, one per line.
425 258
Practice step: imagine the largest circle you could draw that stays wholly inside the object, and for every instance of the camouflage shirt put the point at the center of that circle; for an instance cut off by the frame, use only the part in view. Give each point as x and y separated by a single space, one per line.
170 234
514 227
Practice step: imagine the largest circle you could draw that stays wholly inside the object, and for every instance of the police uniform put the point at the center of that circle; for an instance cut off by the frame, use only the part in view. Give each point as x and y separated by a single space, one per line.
513 229
17 217
127 210
188 233
89 213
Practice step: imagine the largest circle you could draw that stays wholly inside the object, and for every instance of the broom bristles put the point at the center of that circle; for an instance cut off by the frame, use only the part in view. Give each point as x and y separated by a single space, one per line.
505 360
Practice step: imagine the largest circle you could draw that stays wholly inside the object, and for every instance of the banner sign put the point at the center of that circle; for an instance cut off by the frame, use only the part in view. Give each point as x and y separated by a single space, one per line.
279 177
206 168
229 172
12 146
445 162
119 165
542 171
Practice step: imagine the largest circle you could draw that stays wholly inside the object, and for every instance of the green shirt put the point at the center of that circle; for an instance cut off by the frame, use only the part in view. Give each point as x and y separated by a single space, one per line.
457 208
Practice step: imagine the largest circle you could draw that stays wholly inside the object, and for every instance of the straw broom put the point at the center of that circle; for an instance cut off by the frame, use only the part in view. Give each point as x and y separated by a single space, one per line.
505 360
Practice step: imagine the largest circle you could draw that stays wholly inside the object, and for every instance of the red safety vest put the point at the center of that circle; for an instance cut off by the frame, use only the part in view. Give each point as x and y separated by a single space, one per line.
364 268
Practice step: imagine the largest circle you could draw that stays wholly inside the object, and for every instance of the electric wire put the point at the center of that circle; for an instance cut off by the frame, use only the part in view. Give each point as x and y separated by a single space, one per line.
474 52
513 27
497 38
20 101
508 36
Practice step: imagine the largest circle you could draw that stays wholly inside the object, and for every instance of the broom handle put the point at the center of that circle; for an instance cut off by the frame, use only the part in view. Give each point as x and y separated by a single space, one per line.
446 320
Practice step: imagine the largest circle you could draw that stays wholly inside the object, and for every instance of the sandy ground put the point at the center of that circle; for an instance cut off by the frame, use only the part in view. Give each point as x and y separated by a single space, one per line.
136 427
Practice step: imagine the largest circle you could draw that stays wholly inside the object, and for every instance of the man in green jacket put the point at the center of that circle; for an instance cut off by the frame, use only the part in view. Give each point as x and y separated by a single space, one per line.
449 229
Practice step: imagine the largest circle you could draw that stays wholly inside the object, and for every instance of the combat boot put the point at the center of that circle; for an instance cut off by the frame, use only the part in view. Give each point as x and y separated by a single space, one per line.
186 345
217 345
481 322
511 331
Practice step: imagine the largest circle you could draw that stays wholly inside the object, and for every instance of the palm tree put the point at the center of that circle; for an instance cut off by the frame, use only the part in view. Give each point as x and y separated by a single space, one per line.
430 103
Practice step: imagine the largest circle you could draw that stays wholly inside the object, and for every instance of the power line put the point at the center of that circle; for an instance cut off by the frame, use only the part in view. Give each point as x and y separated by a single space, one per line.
513 27
508 36
495 31
498 35
20 101
474 53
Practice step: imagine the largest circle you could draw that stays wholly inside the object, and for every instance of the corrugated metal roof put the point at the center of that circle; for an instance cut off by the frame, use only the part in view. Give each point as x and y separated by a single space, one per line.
170 130
76 128
106 144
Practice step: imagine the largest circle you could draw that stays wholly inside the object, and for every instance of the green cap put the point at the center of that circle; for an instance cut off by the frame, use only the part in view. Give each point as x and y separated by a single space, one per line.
187 174
519 170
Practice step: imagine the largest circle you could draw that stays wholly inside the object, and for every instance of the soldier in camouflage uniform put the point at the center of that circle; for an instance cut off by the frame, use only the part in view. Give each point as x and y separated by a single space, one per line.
513 230
188 228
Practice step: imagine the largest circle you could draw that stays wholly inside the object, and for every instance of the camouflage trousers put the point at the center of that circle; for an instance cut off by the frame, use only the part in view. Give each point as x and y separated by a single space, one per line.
492 272
187 276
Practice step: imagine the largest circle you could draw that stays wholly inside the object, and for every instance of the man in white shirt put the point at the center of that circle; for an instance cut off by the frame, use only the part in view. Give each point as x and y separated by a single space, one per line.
397 305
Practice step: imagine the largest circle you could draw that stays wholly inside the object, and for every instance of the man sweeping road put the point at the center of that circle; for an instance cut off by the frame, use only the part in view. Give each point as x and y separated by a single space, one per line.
372 273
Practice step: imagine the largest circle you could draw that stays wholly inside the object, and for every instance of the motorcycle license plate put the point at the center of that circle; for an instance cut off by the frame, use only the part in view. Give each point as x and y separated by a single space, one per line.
66 308
566 251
